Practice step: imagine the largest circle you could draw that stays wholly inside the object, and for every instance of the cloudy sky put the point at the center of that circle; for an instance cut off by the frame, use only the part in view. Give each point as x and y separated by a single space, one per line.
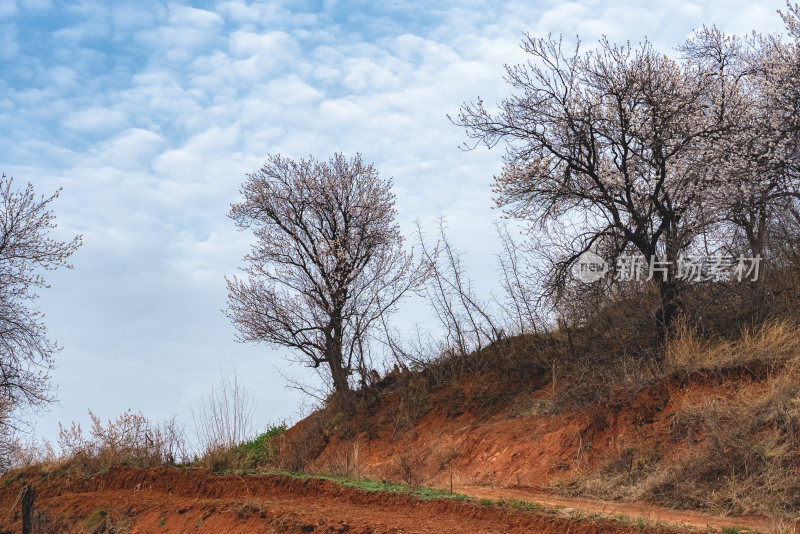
149 114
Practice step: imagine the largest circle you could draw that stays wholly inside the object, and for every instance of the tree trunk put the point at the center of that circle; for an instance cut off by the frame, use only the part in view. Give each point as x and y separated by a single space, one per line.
339 375
757 297
667 290
668 293
27 509
335 358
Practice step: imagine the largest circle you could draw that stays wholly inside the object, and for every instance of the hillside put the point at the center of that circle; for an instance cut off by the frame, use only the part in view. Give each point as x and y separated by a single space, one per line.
496 441
717 434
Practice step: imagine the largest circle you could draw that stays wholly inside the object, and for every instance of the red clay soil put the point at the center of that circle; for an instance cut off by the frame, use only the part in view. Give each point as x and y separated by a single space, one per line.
524 451
527 446
174 500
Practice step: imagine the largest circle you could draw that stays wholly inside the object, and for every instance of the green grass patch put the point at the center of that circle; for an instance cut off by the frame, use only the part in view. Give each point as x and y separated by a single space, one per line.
95 518
524 505
426 493
261 449
10 479
421 492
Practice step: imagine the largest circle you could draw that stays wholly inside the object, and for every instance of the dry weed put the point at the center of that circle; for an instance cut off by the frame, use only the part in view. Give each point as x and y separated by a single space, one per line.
745 451
772 341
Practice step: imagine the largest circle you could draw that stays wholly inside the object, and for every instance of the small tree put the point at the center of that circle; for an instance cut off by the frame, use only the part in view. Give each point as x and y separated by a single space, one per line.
26 353
328 261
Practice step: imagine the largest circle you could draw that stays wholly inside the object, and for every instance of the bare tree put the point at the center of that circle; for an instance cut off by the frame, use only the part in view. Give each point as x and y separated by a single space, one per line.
468 323
327 264
225 417
608 144
523 304
26 248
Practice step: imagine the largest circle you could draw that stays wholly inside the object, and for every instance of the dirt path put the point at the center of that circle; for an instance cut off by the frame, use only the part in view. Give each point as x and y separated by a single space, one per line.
170 500
648 512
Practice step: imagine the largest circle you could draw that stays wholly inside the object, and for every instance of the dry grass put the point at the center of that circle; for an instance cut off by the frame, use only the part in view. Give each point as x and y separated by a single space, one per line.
742 445
130 439
407 464
302 445
346 462
771 341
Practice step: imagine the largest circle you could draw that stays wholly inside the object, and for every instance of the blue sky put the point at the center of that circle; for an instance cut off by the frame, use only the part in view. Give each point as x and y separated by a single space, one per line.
149 114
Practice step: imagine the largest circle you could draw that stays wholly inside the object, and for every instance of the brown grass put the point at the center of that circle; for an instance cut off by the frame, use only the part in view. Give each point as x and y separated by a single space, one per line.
131 439
302 444
771 341
743 446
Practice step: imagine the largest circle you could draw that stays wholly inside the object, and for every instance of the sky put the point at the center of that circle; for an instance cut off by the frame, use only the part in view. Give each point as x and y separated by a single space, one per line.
149 115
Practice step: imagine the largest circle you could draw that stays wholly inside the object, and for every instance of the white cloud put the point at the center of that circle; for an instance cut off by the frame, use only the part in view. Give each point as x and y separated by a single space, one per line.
152 139
37 5
175 42
96 120
254 14
247 43
63 76
133 16
133 149
8 8
180 15
92 29
8 41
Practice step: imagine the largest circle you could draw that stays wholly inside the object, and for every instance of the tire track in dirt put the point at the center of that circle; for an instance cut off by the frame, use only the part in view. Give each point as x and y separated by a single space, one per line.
170 499
648 512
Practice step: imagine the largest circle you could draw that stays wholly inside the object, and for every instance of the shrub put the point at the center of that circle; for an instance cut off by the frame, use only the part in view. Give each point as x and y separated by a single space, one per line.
224 421
16 453
130 439
250 454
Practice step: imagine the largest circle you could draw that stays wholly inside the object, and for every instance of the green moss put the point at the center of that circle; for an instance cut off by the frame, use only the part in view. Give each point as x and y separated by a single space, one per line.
10 479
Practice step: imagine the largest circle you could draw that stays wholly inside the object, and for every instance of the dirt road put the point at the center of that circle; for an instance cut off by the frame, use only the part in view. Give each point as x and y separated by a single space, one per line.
648 512
173 500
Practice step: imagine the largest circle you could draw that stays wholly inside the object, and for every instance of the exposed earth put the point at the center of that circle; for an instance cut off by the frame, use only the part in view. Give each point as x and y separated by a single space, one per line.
175 500
515 453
